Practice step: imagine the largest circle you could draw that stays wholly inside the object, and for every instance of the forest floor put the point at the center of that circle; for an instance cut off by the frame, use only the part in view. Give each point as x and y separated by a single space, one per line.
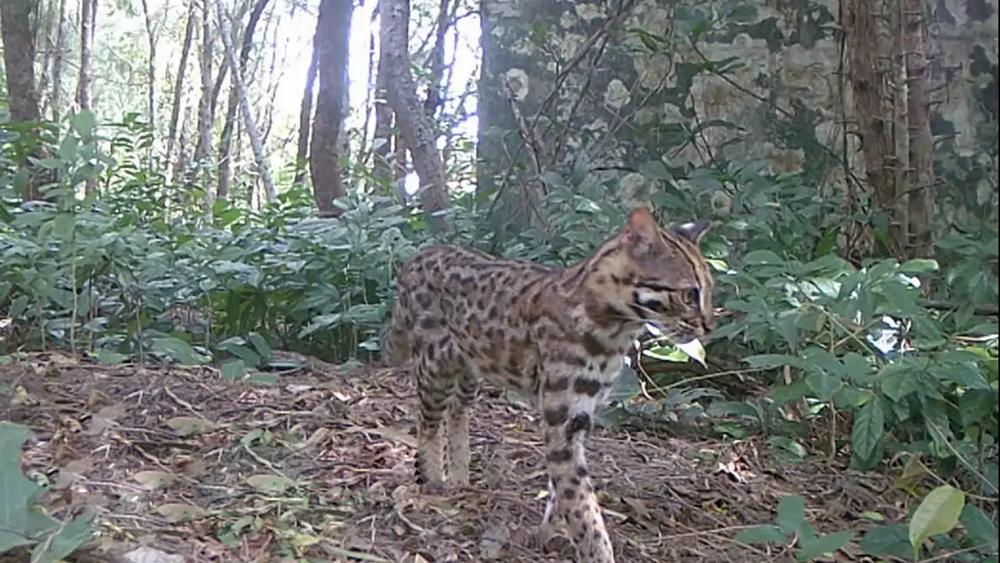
183 465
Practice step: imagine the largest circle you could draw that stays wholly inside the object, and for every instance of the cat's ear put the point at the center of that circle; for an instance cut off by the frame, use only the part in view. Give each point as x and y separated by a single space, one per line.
694 232
640 227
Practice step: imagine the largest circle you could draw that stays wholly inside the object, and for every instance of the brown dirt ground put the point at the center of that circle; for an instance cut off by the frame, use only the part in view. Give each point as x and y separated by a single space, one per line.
344 440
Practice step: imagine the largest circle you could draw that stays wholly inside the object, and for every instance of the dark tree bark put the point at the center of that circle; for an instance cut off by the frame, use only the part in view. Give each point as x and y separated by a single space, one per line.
178 100
225 142
19 57
305 116
873 117
414 126
332 37
57 62
920 172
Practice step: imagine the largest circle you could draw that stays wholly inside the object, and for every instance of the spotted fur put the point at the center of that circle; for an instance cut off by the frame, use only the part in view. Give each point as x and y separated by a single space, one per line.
555 334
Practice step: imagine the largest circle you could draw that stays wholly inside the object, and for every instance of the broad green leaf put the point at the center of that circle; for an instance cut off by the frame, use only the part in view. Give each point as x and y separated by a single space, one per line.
937 514
823 383
65 540
763 258
233 369
979 527
62 225
891 540
21 523
693 350
818 546
178 350
761 534
791 513
83 122
869 426
109 357
919 266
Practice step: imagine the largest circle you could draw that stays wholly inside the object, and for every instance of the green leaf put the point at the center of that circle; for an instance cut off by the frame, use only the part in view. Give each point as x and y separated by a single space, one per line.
897 381
178 350
791 513
885 541
763 258
869 426
979 527
937 514
83 122
233 369
65 540
771 361
654 170
21 523
761 534
824 384
919 266
109 357
818 546
62 225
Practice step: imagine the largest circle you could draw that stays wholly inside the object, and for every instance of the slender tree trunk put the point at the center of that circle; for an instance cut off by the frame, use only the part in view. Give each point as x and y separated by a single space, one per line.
255 143
436 59
84 91
151 67
305 116
920 172
19 57
57 62
88 18
204 147
44 35
411 118
178 100
332 39
225 143
382 134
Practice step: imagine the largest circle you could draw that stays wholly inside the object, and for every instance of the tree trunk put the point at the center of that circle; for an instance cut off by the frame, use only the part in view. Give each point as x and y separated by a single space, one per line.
204 146
415 127
88 18
872 116
151 67
436 59
44 36
57 62
19 57
382 134
175 110
920 172
258 148
305 116
332 37
225 143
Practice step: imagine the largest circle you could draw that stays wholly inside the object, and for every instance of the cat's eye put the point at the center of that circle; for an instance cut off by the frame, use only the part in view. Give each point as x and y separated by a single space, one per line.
691 296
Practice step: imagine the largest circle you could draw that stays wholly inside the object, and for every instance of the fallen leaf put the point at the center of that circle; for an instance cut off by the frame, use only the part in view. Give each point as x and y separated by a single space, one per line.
494 538
150 555
177 512
154 479
271 484
190 425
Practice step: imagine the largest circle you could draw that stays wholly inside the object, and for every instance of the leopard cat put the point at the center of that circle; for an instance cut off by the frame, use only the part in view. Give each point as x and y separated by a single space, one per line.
555 334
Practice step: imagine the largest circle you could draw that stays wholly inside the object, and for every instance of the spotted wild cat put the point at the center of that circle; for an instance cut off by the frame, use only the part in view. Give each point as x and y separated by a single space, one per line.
555 334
